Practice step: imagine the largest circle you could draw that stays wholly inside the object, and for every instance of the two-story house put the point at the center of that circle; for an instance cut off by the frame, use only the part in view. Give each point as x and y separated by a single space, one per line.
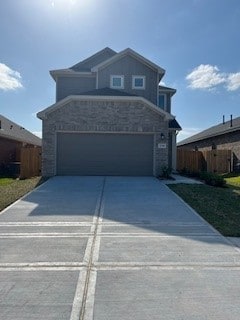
110 117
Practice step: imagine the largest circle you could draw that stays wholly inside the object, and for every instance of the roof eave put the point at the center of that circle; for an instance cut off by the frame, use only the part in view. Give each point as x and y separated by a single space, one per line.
68 72
168 90
182 143
43 114
6 136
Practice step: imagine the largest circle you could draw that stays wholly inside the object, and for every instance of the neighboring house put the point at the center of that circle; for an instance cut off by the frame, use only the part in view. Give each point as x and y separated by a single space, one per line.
111 117
12 138
225 135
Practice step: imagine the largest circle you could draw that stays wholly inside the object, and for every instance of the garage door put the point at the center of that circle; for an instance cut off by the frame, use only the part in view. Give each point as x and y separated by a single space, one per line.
104 154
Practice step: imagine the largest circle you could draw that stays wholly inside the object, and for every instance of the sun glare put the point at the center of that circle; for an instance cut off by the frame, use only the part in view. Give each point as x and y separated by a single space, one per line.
56 3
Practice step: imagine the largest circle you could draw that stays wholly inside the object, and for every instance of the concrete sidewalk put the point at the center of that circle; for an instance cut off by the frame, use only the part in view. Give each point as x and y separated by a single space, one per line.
177 178
235 241
113 248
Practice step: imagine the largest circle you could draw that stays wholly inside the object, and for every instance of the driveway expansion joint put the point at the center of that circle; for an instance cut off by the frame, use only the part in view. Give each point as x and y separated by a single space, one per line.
96 218
134 244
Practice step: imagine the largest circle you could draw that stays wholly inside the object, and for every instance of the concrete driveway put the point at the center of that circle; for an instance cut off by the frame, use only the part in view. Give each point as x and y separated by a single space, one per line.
113 248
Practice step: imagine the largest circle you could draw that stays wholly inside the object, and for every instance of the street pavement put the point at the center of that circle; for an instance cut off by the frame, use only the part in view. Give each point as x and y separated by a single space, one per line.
111 248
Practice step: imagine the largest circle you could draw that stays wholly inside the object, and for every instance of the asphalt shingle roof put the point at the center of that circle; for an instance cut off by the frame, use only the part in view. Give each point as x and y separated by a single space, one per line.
166 88
173 124
213 131
13 131
107 92
100 56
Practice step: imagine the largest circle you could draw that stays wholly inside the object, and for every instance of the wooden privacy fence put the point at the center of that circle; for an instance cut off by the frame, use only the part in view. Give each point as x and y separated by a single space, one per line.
218 161
189 160
30 162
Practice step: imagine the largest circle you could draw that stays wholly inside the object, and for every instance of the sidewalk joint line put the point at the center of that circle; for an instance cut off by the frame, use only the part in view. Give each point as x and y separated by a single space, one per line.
90 262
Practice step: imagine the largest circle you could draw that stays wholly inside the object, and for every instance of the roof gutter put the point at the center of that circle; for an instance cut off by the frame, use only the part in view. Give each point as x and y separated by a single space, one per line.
68 73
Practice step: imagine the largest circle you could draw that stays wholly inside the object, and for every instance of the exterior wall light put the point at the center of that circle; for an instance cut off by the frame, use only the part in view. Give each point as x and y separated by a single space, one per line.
162 136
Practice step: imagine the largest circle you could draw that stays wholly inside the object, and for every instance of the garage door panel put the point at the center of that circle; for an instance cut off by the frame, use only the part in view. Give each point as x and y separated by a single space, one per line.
104 154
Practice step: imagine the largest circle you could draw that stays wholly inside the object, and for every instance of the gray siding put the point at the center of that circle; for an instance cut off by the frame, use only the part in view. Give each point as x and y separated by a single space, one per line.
94 60
129 66
104 154
74 85
103 117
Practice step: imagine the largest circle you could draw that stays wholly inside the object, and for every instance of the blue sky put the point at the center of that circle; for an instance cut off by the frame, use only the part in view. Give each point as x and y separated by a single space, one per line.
197 42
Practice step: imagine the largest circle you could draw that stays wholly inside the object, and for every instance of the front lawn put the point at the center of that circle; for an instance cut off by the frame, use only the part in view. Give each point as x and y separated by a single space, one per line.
5 181
11 190
219 206
232 180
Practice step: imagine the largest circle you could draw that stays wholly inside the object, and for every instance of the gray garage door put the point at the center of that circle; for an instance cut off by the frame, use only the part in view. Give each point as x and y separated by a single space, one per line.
104 154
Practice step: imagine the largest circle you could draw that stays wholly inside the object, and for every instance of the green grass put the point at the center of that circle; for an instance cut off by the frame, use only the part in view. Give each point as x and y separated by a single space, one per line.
219 206
233 181
11 190
5 181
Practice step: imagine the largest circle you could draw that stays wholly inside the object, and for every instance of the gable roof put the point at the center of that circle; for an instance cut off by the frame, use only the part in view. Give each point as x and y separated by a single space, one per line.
43 114
84 67
11 130
102 59
100 56
213 131
134 54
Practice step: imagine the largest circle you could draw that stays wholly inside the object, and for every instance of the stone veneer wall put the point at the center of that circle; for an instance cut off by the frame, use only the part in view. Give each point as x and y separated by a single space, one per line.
103 116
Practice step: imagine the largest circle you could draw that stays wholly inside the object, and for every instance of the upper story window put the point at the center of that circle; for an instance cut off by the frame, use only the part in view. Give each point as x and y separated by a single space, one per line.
117 82
138 82
162 101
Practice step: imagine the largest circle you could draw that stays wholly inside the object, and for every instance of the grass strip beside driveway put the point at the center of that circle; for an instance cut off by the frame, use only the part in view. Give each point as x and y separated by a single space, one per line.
232 180
11 190
219 206
5 181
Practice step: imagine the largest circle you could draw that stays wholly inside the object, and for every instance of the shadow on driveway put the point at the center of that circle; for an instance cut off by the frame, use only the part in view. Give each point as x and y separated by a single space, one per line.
135 204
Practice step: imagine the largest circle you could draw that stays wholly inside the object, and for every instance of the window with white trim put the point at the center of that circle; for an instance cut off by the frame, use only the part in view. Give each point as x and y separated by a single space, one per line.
117 82
138 82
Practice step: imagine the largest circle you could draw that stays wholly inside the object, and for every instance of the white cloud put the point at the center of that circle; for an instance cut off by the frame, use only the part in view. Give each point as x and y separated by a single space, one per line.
205 76
233 81
187 132
9 79
162 83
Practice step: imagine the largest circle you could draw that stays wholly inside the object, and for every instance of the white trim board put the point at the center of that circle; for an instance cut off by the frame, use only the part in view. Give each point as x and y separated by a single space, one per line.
43 114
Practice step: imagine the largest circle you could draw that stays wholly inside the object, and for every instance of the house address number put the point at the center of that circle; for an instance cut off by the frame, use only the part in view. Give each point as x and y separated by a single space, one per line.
162 145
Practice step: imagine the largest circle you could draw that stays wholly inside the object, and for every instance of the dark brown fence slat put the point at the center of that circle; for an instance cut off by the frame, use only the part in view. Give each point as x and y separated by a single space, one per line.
188 160
218 161
30 162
